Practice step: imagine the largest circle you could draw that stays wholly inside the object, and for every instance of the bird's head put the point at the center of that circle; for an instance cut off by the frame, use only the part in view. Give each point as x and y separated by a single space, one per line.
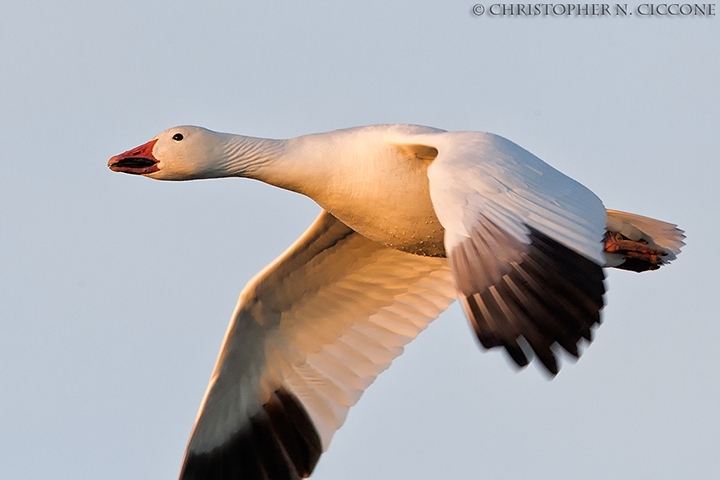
178 153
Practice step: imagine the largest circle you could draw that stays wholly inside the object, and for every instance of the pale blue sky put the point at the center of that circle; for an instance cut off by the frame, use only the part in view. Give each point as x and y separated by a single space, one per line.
115 291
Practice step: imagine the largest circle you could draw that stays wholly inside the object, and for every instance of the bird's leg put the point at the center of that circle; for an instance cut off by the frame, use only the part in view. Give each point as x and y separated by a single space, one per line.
617 243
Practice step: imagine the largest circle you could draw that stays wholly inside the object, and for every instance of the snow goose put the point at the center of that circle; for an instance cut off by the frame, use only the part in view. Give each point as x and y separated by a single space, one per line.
413 217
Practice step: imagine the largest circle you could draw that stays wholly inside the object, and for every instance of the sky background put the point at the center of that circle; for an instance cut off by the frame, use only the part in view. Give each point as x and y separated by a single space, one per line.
115 291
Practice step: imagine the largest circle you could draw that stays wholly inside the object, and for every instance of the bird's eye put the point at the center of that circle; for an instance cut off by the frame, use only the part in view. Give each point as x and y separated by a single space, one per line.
177 137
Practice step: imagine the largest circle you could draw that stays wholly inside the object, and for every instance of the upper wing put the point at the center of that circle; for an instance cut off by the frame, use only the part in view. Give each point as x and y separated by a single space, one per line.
524 242
308 335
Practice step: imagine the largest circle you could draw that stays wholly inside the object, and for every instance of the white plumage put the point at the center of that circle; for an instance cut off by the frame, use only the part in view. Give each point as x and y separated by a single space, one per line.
412 218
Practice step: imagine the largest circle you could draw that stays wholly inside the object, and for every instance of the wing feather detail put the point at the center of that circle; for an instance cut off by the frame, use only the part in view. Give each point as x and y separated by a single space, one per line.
309 334
525 244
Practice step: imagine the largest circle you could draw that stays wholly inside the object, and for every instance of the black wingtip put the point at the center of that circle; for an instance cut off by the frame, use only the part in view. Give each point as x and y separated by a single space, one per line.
279 442
549 295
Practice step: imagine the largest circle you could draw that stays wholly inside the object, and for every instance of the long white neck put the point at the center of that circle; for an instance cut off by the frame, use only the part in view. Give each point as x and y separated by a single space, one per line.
248 156
360 176
277 162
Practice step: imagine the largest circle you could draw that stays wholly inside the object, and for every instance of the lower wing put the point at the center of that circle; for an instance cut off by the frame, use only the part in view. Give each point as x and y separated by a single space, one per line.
308 336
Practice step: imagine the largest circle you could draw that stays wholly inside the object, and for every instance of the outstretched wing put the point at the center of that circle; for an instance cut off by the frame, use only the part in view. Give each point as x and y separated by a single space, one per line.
309 334
524 243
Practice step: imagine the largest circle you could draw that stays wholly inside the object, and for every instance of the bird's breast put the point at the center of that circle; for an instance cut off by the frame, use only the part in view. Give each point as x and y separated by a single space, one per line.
386 200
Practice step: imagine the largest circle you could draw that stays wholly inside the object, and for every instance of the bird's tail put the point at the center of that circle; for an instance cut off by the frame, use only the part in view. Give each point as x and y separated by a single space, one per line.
638 243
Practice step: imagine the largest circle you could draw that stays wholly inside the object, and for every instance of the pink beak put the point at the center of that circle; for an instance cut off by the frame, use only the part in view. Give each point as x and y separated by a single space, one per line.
138 161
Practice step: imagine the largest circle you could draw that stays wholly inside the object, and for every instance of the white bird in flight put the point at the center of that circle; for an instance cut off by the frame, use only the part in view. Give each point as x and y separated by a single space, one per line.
413 217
